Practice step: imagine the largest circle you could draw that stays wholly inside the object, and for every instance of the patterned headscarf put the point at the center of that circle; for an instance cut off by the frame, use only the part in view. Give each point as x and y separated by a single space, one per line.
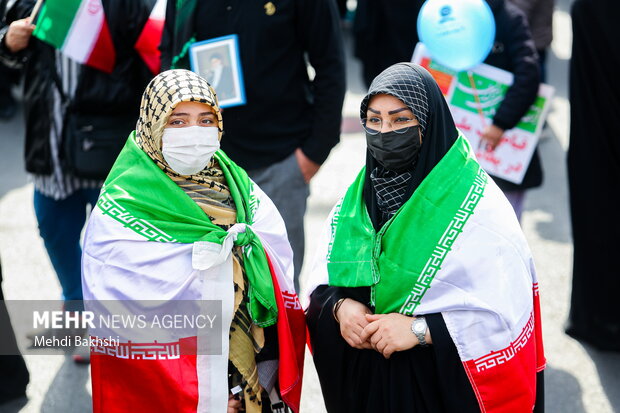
210 191
160 98
207 188
405 84
384 193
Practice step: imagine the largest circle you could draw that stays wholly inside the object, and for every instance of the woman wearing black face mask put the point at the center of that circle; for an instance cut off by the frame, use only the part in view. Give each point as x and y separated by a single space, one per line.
423 296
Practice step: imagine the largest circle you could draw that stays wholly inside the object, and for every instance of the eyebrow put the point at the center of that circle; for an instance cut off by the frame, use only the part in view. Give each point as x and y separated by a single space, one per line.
187 114
390 112
397 110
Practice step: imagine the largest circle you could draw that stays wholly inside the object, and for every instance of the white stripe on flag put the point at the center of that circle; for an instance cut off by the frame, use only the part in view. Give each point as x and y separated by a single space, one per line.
212 370
215 264
84 31
159 11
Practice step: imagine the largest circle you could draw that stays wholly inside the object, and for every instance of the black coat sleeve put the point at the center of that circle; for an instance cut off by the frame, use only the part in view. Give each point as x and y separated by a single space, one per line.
453 381
437 371
523 63
132 16
319 32
539 407
165 46
18 11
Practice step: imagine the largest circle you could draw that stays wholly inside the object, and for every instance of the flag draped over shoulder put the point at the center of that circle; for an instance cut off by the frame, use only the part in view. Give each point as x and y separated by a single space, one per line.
455 248
148 240
80 30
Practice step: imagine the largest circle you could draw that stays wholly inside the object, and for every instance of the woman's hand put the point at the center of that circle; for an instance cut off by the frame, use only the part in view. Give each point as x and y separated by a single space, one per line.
18 35
388 333
492 135
234 405
307 166
351 316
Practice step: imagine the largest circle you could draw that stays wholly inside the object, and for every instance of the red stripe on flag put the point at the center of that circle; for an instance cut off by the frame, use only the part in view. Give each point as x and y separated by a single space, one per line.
509 387
103 55
504 381
147 45
123 385
541 362
291 340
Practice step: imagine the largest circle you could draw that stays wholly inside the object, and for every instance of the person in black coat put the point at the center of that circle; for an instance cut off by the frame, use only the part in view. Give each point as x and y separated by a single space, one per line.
290 121
220 77
384 35
14 376
58 90
8 77
593 173
514 51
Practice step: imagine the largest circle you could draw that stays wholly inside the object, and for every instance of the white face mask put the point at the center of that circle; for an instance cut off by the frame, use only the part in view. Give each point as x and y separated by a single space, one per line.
189 150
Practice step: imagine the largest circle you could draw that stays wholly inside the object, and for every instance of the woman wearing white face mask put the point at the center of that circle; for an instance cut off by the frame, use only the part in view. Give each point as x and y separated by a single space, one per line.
191 137
178 220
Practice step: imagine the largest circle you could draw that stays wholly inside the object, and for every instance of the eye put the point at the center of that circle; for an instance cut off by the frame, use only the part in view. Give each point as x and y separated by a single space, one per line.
373 120
176 122
207 121
403 119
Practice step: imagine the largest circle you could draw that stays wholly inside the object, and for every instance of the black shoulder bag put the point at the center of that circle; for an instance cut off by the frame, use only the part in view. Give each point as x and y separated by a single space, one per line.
91 143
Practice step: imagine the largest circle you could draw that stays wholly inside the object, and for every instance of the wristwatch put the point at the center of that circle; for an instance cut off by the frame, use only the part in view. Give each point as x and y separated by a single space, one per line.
419 327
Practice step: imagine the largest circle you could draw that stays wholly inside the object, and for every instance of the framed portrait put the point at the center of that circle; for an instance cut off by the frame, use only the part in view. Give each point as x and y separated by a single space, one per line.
217 60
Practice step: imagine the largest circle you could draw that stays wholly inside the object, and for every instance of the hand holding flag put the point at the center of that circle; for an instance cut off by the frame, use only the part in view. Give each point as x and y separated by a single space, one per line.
18 35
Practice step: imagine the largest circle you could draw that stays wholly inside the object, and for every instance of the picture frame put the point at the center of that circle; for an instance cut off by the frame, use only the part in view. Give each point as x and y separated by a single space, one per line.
218 61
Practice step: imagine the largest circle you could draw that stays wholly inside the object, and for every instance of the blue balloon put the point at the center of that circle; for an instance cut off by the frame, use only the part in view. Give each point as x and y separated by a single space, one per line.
458 34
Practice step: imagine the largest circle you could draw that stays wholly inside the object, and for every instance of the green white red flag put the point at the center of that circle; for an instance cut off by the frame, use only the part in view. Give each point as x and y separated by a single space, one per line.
79 29
147 44
433 257
147 240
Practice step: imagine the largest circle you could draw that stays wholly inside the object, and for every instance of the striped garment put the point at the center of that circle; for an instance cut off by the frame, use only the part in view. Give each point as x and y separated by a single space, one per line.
60 184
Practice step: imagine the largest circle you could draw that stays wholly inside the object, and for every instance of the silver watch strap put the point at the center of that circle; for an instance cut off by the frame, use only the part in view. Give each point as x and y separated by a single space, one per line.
421 335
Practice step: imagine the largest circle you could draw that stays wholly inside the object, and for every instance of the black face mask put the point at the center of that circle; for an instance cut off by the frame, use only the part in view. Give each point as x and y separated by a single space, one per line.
395 151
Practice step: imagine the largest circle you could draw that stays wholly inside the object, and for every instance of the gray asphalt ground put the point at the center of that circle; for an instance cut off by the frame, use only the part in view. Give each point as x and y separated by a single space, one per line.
578 378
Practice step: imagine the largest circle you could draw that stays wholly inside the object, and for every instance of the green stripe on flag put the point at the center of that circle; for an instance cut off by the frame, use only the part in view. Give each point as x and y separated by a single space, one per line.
400 261
141 197
55 21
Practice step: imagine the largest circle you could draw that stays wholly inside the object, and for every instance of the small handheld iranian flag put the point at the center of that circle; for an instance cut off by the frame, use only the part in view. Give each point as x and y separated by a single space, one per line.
80 30
147 44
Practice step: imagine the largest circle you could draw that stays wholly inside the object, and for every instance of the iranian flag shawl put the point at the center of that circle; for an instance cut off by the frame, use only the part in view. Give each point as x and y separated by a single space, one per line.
148 240
455 248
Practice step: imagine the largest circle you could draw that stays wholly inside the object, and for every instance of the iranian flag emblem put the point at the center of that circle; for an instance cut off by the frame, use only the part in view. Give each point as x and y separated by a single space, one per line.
79 29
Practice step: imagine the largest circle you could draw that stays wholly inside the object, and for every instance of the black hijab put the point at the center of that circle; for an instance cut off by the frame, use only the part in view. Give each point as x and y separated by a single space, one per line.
417 89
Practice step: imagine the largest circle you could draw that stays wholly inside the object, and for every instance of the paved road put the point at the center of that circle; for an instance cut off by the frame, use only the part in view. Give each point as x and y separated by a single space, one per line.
579 379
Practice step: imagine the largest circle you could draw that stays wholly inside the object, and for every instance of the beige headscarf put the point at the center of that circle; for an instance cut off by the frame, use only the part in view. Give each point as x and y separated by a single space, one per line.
208 187
209 190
